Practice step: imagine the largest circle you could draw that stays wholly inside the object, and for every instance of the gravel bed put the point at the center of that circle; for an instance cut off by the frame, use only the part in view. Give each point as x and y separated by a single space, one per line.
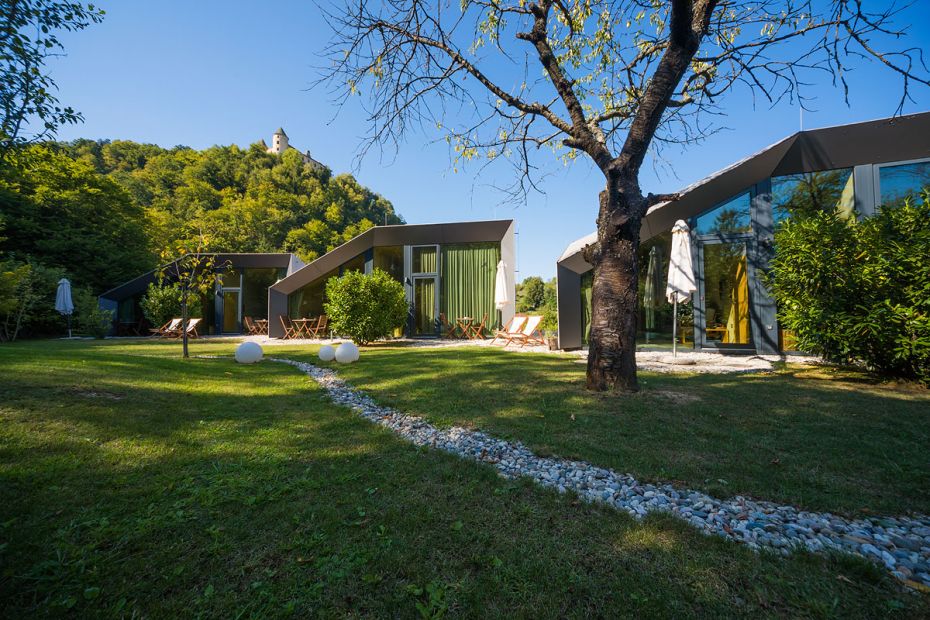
900 544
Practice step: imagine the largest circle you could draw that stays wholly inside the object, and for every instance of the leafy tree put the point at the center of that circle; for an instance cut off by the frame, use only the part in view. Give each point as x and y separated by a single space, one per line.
91 318
61 213
531 294
162 302
603 80
192 268
365 307
29 31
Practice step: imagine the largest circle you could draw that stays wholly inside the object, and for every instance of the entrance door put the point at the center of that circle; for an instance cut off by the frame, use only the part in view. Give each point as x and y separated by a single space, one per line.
231 311
425 305
725 295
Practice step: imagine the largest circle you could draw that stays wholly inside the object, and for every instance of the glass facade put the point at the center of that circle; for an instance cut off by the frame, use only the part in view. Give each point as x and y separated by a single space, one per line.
729 218
424 259
255 283
726 294
390 259
899 182
307 302
467 281
802 195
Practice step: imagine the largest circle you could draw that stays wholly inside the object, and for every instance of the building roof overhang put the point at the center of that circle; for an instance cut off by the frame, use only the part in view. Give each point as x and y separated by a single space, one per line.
898 138
402 234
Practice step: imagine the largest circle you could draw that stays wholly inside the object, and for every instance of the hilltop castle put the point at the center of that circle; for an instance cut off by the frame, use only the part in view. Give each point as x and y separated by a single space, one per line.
280 143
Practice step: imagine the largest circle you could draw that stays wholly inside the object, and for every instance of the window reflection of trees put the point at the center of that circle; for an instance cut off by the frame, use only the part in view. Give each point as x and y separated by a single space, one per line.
803 195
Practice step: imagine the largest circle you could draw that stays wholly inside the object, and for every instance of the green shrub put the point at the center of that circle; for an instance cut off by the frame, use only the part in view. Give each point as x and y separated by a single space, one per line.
365 307
859 291
162 302
90 317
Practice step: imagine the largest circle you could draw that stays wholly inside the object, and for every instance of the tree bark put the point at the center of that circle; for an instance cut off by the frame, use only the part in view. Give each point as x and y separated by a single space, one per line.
184 319
614 297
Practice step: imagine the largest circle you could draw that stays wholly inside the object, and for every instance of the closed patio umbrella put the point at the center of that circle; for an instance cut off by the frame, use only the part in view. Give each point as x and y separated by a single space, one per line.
680 274
651 295
502 286
63 303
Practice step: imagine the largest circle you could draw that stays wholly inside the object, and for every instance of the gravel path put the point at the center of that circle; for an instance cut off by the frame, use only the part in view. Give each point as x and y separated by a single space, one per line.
900 544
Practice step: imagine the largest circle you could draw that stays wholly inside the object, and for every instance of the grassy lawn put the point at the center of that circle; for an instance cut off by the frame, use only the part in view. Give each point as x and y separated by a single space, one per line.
136 484
812 437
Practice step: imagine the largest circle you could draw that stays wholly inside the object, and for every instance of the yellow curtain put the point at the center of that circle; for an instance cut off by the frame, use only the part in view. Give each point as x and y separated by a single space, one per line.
738 318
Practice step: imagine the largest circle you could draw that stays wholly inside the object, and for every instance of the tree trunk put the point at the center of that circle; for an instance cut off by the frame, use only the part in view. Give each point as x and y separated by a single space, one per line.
184 321
614 297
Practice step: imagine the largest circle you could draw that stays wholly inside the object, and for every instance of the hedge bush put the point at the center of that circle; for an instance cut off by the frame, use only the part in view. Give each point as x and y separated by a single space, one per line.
859 291
365 307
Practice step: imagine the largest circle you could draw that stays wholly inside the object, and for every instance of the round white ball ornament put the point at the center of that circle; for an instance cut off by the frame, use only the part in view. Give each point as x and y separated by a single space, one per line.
346 353
327 353
249 353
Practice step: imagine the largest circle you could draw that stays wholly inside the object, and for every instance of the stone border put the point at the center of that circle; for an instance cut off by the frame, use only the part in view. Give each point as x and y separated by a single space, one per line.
900 544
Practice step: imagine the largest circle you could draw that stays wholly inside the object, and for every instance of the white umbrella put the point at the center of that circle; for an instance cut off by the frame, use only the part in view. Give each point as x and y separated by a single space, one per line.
502 286
63 303
680 274
652 288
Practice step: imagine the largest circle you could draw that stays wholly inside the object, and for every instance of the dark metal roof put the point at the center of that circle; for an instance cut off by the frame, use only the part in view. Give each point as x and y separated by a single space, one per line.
279 260
403 234
280 131
873 142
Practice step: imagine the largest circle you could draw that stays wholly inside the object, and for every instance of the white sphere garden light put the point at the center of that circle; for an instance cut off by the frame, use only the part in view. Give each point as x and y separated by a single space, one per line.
327 353
249 353
346 353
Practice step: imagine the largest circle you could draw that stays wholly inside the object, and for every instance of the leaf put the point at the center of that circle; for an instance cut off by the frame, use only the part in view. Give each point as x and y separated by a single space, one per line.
91 593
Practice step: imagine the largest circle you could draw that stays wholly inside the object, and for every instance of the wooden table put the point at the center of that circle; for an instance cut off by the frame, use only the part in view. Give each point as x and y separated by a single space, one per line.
261 326
470 328
302 327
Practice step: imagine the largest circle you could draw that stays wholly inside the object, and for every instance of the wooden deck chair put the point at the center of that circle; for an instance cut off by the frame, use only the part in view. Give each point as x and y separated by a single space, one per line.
250 327
447 329
167 329
528 334
191 328
319 327
512 328
289 330
476 332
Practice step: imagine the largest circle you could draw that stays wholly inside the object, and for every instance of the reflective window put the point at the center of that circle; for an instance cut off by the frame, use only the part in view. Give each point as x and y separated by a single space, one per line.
656 313
355 264
726 294
391 260
307 301
229 278
897 183
730 217
424 259
802 195
255 283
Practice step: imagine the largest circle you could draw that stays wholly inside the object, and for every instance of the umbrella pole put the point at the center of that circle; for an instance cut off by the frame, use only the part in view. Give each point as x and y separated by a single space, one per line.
675 329
69 327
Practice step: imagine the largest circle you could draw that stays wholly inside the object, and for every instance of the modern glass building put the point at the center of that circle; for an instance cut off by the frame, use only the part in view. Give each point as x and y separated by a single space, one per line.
733 215
241 290
446 269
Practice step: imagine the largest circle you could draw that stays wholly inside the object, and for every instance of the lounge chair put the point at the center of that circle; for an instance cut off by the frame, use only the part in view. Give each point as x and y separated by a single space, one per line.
167 330
290 331
512 329
528 335
191 329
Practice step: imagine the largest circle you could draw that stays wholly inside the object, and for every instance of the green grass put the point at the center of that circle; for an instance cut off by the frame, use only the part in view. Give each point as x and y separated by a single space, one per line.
820 439
137 484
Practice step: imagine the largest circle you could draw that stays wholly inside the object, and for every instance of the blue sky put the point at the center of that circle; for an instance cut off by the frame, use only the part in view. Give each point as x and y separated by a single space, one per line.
211 72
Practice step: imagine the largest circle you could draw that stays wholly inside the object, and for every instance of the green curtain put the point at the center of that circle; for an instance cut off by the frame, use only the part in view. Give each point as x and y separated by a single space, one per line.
468 275
424 295
587 283
424 259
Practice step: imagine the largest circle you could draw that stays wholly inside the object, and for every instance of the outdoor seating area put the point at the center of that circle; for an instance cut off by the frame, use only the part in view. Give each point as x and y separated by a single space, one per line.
303 327
464 328
255 327
174 329
522 330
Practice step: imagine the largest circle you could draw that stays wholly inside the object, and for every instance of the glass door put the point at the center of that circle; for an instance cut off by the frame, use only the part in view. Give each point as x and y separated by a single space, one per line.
425 303
231 311
725 295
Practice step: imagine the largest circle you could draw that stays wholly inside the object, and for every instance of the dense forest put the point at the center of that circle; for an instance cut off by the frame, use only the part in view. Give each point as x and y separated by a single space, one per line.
101 212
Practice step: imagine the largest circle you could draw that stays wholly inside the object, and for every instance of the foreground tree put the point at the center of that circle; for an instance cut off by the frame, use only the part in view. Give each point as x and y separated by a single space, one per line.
617 77
29 32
